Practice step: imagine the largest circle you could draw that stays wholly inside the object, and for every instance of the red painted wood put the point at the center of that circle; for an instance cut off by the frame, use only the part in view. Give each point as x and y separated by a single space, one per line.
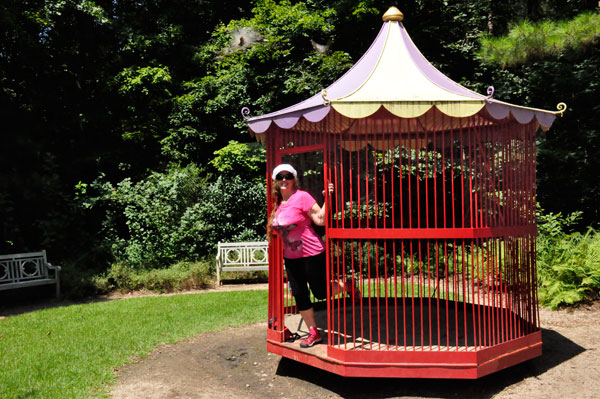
422 233
424 210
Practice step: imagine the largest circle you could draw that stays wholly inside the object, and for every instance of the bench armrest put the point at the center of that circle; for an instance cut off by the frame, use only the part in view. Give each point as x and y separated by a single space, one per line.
57 268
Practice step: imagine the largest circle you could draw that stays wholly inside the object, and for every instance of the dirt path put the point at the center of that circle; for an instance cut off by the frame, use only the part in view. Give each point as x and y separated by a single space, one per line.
234 363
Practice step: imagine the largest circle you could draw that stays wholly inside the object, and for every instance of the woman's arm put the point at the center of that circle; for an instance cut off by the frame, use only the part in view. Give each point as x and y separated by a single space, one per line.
316 213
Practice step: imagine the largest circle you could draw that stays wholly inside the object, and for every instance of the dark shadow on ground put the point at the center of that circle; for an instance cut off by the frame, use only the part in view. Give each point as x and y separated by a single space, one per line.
250 280
556 350
30 299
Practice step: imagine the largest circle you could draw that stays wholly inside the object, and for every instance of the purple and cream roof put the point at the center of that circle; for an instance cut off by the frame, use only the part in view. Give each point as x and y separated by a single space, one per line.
393 74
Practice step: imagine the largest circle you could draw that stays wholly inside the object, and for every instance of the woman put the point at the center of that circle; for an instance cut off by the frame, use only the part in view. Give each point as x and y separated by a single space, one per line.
293 214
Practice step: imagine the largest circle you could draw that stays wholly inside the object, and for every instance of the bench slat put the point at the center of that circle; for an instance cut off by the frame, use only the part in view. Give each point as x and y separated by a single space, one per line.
28 283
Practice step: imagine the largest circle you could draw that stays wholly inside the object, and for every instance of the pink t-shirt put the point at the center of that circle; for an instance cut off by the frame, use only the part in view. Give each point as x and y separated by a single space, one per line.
293 224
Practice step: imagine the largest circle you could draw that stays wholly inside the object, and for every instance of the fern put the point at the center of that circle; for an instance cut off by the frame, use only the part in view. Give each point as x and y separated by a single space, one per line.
568 267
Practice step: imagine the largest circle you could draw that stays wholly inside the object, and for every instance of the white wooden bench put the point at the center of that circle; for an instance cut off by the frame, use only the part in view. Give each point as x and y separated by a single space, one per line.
27 270
241 257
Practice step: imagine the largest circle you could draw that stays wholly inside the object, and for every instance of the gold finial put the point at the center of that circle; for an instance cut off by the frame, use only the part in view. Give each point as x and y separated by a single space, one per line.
393 14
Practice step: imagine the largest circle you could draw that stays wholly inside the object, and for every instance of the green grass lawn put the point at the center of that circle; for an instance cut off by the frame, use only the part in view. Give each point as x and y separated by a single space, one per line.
71 351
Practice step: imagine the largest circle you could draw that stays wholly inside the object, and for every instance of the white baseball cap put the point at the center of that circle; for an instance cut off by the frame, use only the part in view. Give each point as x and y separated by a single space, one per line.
284 167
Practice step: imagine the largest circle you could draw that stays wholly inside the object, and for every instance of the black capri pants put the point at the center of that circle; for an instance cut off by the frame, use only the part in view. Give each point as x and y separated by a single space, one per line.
305 272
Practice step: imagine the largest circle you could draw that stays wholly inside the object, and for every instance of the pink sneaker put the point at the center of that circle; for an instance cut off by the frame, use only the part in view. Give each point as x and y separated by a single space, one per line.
313 338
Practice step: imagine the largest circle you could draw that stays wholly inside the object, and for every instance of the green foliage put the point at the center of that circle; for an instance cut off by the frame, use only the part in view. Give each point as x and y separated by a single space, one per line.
529 41
230 209
148 89
568 264
181 276
177 215
72 351
145 220
240 159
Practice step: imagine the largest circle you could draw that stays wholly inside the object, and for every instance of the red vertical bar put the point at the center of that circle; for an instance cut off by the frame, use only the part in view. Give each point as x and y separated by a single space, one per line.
482 181
375 188
505 187
378 293
501 296
497 291
427 160
456 284
339 208
465 292
484 177
358 146
341 271
351 172
534 196
477 283
421 287
444 214
328 242
360 262
403 289
512 286
336 309
395 294
462 178
511 180
417 179
493 180
483 287
353 282
385 282
384 154
410 178
392 188
498 164
341 192
437 273
429 292
519 285
367 196
400 172
490 176
370 296
412 283
435 193
473 267
489 289
470 169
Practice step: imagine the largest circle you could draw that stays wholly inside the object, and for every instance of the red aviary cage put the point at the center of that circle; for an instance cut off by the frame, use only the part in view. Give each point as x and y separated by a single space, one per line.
432 217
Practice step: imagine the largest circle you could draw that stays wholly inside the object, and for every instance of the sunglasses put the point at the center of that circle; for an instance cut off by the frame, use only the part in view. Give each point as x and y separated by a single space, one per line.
287 176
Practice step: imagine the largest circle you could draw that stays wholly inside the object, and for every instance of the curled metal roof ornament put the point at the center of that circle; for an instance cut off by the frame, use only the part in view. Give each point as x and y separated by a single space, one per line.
561 107
326 101
490 92
245 112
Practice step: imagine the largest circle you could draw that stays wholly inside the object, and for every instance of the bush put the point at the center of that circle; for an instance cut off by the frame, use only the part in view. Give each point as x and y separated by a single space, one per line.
568 264
177 215
181 276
